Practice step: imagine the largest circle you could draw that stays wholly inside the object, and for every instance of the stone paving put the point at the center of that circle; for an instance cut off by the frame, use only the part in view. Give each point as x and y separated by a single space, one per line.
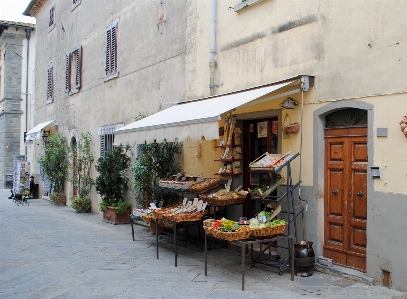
52 252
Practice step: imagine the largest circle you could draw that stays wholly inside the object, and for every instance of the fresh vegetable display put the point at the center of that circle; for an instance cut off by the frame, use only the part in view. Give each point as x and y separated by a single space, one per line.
255 223
225 225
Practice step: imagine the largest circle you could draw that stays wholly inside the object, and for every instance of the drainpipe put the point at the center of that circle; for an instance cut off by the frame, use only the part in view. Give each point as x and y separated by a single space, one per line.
212 60
27 35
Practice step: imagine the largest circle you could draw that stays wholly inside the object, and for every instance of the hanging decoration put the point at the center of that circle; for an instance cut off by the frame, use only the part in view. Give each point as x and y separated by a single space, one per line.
290 128
198 148
403 125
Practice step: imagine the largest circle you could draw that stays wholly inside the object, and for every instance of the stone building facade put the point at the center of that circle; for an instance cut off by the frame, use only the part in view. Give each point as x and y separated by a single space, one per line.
342 63
125 60
17 49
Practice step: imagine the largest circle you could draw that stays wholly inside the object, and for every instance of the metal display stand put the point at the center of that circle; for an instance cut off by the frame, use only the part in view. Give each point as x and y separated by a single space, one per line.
265 243
243 244
175 226
292 214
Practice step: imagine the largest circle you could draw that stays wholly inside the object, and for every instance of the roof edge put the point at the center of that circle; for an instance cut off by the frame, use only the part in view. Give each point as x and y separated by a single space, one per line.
27 11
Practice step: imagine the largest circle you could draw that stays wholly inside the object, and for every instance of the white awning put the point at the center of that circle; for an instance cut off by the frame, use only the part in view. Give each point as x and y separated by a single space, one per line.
189 119
35 133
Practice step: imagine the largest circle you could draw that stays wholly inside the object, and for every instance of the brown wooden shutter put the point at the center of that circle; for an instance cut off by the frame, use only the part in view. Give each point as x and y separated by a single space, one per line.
113 59
68 72
102 146
50 92
78 67
108 50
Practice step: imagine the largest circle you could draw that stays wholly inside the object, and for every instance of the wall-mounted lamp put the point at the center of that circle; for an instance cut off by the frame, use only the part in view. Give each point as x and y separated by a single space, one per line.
289 103
45 136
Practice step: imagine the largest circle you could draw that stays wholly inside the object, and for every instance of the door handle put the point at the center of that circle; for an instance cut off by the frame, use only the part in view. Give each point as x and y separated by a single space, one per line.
335 192
360 194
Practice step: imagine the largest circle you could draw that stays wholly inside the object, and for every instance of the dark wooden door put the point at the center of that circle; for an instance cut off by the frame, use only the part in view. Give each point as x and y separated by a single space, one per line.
346 162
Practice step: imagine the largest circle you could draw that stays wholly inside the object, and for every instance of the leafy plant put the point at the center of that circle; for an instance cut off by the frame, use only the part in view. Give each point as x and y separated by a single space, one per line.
55 162
157 161
112 176
121 207
57 197
83 180
81 203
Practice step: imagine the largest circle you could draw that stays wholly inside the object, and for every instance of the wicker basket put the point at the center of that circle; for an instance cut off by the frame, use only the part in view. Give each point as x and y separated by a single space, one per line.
148 219
292 129
267 231
241 234
209 222
208 230
184 217
225 202
159 213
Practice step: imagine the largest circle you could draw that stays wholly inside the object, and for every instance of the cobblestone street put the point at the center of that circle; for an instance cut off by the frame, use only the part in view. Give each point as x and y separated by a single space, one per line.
53 252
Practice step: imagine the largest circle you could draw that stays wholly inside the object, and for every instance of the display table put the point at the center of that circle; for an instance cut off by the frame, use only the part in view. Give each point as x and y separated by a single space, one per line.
174 226
251 241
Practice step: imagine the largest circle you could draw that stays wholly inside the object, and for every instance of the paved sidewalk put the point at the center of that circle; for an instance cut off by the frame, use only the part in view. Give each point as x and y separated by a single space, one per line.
52 252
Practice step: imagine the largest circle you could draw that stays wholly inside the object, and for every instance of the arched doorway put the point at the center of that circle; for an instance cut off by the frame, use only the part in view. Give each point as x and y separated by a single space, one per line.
345 187
74 149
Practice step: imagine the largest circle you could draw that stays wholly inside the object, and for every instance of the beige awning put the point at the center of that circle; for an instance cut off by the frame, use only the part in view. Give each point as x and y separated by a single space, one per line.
35 133
191 119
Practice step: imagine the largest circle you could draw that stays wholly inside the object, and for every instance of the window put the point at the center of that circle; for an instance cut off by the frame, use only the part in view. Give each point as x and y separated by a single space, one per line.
106 134
51 23
111 49
73 69
75 3
50 85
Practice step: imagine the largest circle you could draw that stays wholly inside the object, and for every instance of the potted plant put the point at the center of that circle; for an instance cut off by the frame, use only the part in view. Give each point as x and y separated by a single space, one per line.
55 164
158 161
83 180
110 184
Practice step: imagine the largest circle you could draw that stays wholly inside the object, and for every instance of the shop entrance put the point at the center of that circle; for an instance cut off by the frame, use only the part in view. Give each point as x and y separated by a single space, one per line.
260 136
346 160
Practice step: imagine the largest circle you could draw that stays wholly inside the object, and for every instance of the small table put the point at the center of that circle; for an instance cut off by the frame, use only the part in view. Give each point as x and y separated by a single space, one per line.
174 227
243 244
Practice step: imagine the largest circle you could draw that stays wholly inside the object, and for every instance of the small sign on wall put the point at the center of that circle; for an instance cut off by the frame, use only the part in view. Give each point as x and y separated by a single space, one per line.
262 129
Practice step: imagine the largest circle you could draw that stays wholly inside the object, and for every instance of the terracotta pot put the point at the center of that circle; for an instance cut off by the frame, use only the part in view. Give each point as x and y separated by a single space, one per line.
110 216
161 229
58 199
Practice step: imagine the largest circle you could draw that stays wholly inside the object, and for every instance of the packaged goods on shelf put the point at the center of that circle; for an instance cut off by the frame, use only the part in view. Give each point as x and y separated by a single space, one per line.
236 135
204 185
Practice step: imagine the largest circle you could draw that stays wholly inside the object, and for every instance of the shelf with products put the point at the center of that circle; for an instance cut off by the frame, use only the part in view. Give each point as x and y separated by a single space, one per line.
227 160
228 174
225 146
287 196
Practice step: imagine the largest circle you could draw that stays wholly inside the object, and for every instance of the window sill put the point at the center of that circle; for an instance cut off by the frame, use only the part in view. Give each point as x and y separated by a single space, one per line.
49 102
72 92
244 4
51 27
111 76
75 5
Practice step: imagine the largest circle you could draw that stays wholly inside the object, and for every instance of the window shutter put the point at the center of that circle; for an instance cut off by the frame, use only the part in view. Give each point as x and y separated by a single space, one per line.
78 67
108 50
113 58
68 72
50 84
102 145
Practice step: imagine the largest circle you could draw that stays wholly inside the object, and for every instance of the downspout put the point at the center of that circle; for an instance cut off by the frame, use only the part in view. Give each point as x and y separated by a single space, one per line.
212 60
27 35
